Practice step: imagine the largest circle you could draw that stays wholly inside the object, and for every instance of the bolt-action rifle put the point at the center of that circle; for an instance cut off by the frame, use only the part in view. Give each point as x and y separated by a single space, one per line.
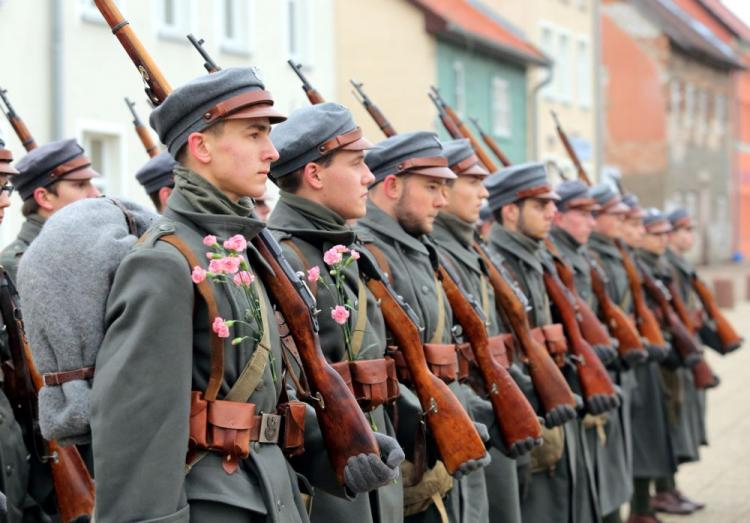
571 152
345 430
377 115
140 129
312 94
15 121
448 123
490 142
728 339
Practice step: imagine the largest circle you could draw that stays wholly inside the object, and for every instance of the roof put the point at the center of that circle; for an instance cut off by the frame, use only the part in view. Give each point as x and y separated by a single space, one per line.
692 36
464 22
728 18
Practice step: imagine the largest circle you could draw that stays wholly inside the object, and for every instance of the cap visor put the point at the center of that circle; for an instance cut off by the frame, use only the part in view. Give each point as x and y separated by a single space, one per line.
363 144
549 195
475 170
81 174
257 111
659 228
435 172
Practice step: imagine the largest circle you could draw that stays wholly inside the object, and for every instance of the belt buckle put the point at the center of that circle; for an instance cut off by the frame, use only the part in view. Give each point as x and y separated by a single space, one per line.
270 425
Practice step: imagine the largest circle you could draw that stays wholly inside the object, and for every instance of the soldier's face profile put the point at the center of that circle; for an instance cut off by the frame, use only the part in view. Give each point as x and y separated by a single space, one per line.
419 203
682 239
577 222
69 191
343 184
4 198
633 231
535 217
465 196
655 243
610 225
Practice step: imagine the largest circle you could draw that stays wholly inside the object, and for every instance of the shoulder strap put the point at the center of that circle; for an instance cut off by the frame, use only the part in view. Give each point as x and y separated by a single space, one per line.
129 217
379 255
313 285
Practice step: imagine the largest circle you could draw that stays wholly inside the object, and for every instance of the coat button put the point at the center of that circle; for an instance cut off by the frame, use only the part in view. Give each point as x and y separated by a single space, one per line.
9 470
164 227
425 289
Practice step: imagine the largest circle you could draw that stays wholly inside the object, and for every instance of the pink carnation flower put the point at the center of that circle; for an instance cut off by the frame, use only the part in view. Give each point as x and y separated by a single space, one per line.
340 248
339 314
236 243
215 267
209 240
332 256
220 327
243 279
199 274
230 264
355 254
313 274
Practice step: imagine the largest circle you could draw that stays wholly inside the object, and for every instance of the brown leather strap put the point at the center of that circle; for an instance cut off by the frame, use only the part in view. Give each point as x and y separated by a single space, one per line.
58 378
129 218
534 191
79 162
236 103
380 258
313 285
464 164
419 163
206 292
340 141
6 155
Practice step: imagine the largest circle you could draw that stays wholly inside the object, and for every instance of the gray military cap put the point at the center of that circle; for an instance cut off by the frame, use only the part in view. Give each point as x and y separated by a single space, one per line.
157 173
6 157
232 93
313 132
656 222
608 200
634 206
43 166
526 180
574 194
417 152
461 158
680 219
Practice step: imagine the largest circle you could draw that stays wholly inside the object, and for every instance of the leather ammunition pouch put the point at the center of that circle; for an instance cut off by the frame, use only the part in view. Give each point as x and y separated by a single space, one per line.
442 360
292 437
373 382
546 457
552 336
432 486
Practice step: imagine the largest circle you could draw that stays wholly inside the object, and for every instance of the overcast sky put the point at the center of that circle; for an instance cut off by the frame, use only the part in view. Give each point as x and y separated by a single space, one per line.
741 8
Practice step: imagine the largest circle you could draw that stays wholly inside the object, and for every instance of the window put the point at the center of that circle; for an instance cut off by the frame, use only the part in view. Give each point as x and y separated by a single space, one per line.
583 73
501 116
548 46
562 59
104 149
720 110
675 96
701 111
299 43
234 18
174 18
689 102
459 87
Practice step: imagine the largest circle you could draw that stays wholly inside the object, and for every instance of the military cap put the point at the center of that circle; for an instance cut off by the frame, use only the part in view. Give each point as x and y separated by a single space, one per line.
609 201
417 152
526 180
461 158
6 157
485 213
157 172
656 222
636 211
574 194
232 93
313 132
48 163
680 219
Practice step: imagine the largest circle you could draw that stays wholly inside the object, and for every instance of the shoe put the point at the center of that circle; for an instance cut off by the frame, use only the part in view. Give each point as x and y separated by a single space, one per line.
643 518
667 502
697 505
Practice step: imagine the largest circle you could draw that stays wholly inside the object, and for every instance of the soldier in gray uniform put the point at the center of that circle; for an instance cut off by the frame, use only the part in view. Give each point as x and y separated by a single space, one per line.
410 174
157 178
49 178
323 180
157 370
609 434
454 233
523 204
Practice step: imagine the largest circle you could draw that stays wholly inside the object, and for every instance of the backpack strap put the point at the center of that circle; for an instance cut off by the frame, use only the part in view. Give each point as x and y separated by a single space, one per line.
380 257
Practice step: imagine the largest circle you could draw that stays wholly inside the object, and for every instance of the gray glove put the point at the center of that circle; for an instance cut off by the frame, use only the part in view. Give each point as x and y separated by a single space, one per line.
635 357
484 413
561 414
606 353
657 354
482 430
475 464
600 403
367 472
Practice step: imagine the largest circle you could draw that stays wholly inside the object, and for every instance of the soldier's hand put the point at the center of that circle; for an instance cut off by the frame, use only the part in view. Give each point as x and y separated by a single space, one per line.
559 416
390 450
601 403
606 353
635 357
657 354
367 472
472 465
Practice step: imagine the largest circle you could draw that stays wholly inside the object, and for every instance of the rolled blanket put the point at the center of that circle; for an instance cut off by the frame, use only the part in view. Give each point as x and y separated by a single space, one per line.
63 281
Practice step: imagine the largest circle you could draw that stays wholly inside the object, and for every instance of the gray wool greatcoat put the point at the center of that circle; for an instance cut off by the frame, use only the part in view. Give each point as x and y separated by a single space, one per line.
11 254
314 229
613 461
567 494
411 273
453 238
155 352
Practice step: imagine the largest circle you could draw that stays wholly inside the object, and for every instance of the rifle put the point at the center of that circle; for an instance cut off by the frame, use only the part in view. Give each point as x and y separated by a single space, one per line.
728 338
140 129
448 122
490 142
15 121
549 382
516 418
345 430
682 339
74 488
464 132
312 94
372 109
446 417
598 390
571 152
645 320
208 62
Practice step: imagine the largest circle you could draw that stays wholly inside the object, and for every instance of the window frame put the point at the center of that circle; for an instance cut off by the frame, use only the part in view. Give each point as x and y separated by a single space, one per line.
243 10
458 73
497 82
113 180
304 20
587 102
183 25
88 12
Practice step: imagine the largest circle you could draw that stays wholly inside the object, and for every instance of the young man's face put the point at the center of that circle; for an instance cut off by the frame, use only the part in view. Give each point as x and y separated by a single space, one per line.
610 225
632 231
535 217
682 239
241 156
4 198
655 243
69 191
345 181
465 197
421 199
577 222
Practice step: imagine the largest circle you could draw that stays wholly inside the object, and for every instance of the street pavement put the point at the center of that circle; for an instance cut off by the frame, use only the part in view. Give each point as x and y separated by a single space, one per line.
721 478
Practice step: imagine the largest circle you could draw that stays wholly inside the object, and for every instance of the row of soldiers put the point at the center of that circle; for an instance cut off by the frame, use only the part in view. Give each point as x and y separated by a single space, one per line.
409 204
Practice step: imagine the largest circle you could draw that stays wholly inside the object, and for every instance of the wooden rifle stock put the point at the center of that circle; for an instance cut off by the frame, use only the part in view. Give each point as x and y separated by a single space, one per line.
490 142
345 430
143 134
312 94
730 339
377 115
74 488
591 372
17 123
549 383
448 123
571 152
515 416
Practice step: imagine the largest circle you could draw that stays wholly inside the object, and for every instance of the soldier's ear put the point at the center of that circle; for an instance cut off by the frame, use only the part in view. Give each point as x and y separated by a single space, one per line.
311 176
393 186
198 148
42 198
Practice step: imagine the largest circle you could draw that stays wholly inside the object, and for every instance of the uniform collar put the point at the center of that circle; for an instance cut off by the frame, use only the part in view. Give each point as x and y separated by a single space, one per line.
31 228
455 237
309 221
604 245
679 262
517 245
382 223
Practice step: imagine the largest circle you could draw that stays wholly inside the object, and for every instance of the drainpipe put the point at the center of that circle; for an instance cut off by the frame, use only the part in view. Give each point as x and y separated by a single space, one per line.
57 69
598 106
533 109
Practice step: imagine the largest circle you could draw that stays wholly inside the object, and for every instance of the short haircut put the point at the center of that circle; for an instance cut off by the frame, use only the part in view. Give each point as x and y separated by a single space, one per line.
215 129
30 206
293 181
